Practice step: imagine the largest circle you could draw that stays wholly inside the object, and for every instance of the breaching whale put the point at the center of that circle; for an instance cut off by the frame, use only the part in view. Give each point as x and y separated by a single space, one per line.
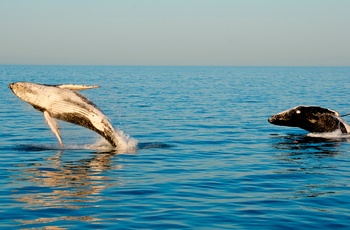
63 102
314 119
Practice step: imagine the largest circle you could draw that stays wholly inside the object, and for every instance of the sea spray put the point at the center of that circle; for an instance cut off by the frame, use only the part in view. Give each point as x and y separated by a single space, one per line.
330 135
125 143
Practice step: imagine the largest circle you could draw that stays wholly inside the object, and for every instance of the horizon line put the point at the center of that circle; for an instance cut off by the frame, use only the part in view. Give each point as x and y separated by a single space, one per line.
160 65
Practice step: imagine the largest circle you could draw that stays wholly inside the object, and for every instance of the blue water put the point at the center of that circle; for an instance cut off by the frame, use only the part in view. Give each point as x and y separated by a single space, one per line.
206 159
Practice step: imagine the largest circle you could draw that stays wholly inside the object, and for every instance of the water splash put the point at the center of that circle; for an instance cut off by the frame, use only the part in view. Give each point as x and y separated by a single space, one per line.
125 143
337 134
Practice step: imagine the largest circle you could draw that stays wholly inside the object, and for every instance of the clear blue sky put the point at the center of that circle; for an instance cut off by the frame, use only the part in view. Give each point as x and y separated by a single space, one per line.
178 32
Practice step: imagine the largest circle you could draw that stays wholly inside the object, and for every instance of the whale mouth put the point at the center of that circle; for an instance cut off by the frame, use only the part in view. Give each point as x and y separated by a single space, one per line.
278 120
273 120
11 86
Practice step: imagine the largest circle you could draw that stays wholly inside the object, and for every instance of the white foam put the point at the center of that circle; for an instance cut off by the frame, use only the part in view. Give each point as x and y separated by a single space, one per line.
330 135
125 143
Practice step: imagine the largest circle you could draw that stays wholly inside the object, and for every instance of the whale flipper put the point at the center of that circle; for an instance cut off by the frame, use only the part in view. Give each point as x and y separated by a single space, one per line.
54 126
77 87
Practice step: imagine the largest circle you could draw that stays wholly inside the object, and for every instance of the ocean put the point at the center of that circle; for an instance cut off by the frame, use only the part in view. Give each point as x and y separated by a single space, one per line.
206 156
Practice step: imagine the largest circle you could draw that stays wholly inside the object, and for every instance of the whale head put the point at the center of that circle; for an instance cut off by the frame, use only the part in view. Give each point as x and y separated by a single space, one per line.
26 91
314 119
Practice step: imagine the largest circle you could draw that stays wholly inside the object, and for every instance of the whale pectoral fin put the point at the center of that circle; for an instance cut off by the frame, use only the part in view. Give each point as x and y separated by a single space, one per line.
77 87
54 126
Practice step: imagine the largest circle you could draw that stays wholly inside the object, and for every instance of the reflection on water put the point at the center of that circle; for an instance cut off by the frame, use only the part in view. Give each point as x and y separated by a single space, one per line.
307 165
61 218
54 184
301 144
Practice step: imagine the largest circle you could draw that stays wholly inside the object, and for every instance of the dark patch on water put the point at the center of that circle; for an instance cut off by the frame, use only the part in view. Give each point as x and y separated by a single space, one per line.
35 148
154 145
38 147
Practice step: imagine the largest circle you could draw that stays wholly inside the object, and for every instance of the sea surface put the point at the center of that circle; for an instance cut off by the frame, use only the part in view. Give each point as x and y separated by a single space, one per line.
206 157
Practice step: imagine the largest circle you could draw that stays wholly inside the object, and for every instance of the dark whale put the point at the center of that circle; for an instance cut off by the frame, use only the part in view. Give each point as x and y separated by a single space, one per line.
313 119
65 103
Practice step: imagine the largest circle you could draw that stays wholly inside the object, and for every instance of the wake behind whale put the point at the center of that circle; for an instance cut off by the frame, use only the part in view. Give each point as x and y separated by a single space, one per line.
63 102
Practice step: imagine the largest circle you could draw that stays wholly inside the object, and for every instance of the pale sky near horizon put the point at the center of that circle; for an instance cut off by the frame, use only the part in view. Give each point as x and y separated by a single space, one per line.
178 32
